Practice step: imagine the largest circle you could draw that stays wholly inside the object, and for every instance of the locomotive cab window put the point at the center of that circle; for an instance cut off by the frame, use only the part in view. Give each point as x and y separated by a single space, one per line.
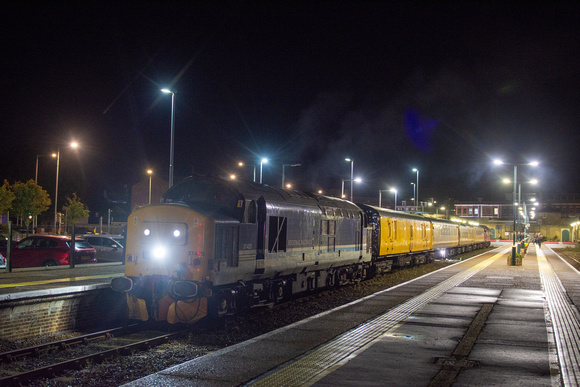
250 212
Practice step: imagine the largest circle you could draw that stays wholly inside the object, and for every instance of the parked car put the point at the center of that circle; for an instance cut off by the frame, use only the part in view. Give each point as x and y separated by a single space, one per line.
119 238
108 249
2 262
49 250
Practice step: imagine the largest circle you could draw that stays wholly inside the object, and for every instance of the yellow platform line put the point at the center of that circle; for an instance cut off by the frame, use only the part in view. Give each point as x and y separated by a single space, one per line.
50 281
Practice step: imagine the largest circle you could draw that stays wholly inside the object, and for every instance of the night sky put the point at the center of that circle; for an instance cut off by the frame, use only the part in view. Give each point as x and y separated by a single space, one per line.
439 87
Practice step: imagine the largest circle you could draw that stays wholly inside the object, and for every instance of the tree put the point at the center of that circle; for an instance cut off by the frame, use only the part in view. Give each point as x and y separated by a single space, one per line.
6 198
75 210
30 200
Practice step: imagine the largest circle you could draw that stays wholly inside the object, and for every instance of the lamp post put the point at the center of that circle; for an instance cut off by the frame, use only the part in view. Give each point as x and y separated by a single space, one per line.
534 164
287 165
73 144
358 180
395 191
150 173
241 164
381 196
416 189
351 161
519 200
262 162
171 148
36 173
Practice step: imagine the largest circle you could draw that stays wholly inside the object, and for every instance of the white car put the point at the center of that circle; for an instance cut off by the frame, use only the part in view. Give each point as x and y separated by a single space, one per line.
108 249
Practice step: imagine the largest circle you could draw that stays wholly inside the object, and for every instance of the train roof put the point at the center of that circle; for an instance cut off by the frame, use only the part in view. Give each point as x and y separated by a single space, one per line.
211 191
392 213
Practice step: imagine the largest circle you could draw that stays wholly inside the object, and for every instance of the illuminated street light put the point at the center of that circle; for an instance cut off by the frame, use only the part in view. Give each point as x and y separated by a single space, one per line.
73 145
232 177
288 165
395 191
150 173
533 164
357 180
241 164
262 162
417 189
171 147
351 178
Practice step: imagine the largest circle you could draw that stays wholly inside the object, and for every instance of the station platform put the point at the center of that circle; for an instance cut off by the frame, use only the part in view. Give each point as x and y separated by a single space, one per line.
56 280
478 322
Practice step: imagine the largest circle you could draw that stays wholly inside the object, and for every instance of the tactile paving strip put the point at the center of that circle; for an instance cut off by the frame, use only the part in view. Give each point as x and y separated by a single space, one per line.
565 320
316 364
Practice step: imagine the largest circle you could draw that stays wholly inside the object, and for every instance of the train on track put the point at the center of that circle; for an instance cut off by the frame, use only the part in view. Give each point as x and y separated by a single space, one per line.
214 246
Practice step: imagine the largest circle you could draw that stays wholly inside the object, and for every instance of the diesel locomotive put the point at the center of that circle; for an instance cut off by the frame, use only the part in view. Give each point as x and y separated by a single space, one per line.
214 246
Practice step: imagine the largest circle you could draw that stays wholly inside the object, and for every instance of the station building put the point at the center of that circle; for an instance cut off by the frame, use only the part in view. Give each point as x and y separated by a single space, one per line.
555 217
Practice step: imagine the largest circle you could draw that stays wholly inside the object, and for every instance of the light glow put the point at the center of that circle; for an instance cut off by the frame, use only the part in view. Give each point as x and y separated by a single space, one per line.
159 252
176 233
147 232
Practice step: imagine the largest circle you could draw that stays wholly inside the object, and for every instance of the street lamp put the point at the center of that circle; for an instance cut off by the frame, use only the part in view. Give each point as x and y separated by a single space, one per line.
288 165
167 91
533 164
36 173
395 191
73 145
150 173
351 178
416 188
358 180
241 164
262 162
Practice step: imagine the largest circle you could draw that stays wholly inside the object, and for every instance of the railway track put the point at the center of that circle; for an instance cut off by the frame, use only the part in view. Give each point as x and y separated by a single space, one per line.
132 337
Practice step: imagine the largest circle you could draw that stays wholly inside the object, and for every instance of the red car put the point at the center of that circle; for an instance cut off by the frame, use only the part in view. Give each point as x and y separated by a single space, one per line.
49 250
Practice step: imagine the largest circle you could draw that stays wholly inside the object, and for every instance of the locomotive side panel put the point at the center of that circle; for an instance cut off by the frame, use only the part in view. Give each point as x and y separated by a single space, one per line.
303 239
289 235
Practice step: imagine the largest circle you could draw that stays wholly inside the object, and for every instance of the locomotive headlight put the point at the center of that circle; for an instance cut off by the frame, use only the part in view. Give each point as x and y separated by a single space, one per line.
176 233
159 252
146 232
